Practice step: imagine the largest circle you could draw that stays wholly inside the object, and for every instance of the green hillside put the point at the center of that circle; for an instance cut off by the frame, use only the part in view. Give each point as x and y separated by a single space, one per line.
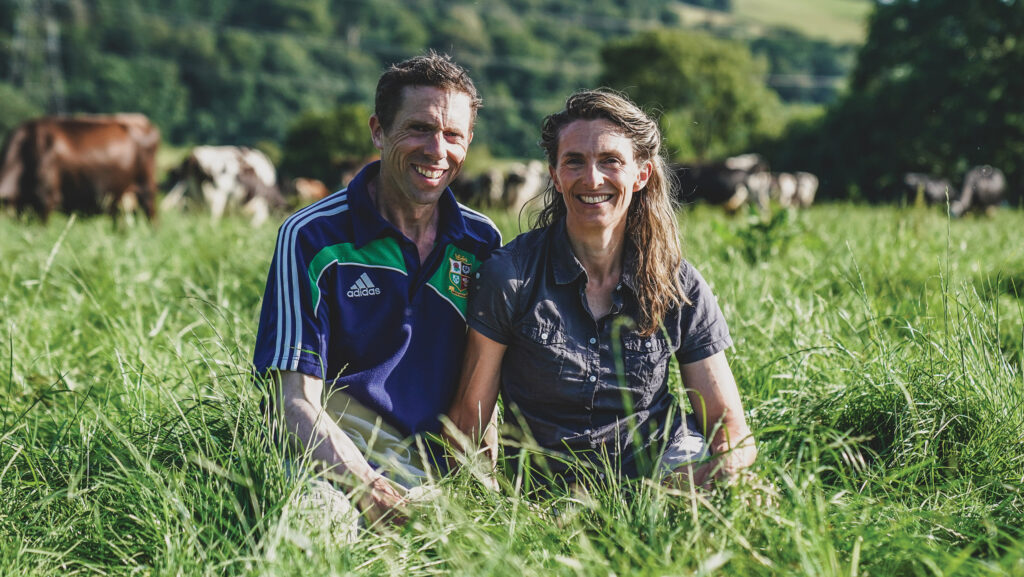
228 71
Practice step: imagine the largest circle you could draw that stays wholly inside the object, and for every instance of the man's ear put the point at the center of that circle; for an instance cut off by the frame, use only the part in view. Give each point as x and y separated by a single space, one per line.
376 132
554 181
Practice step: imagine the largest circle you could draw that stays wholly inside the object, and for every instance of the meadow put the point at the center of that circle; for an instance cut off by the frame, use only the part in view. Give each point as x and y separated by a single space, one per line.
878 351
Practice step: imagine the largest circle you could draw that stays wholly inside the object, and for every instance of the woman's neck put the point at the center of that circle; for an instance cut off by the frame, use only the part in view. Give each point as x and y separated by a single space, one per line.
600 252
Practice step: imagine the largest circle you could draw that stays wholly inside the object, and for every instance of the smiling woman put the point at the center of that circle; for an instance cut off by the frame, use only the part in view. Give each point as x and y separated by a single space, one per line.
575 322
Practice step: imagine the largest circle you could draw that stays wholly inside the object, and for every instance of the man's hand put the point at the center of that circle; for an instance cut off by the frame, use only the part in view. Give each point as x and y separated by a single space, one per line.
382 500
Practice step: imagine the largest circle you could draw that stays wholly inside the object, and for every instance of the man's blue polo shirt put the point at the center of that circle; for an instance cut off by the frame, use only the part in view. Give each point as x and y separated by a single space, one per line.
348 301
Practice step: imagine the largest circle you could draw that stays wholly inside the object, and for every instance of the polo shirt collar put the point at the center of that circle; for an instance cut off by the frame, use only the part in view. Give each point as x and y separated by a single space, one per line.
369 225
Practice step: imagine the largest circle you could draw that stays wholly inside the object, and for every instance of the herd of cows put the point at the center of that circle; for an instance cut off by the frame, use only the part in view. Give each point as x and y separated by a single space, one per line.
107 164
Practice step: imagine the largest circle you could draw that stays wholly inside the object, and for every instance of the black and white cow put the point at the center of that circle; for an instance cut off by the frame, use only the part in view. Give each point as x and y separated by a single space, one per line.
984 189
933 189
731 183
227 178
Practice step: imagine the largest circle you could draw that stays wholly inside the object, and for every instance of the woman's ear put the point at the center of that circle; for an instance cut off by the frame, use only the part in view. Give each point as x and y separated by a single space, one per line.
554 179
643 175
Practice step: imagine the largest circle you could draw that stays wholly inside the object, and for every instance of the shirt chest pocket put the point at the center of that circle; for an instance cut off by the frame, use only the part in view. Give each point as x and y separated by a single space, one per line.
646 361
538 363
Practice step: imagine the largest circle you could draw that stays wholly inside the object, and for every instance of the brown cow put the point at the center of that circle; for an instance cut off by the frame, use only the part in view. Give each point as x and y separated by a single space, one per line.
88 164
12 167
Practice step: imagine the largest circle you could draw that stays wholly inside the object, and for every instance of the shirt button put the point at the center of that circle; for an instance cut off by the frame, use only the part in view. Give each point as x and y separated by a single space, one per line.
593 341
647 344
544 336
592 378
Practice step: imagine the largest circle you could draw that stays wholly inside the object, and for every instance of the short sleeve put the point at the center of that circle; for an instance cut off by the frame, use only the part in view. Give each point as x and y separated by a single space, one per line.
493 297
702 324
293 332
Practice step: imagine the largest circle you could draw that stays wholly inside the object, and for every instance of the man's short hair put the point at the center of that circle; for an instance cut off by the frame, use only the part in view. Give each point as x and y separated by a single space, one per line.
431 69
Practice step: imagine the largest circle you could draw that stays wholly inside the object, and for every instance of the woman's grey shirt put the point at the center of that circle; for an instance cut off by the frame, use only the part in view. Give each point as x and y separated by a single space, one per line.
592 388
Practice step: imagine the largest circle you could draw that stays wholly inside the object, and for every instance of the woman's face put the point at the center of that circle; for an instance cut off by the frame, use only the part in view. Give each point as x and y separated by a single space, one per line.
597 175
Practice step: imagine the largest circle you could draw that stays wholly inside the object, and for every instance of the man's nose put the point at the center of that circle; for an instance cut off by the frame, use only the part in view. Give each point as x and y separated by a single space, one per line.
435 147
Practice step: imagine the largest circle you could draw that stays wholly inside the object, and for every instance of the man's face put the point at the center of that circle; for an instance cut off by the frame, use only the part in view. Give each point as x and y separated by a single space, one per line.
424 149
597 175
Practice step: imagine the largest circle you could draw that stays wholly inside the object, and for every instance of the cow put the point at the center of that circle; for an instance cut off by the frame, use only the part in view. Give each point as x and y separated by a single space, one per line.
227 178
806 189
486 190
12 166
984 188
88 164
931 189
784 188
523 182
730 183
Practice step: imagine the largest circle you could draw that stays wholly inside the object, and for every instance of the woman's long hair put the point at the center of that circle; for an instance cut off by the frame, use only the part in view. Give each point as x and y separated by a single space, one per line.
651 226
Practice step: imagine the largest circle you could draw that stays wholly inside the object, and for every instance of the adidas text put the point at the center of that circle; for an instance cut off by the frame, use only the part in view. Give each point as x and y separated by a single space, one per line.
365 292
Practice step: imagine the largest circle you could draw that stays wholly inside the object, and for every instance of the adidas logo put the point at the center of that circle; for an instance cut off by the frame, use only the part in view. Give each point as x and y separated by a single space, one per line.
363 287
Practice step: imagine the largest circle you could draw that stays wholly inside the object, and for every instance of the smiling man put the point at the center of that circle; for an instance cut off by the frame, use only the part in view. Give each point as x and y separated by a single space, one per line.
363 324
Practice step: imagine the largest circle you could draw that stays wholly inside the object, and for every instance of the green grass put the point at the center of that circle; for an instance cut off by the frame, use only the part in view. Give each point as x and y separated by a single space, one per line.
878 351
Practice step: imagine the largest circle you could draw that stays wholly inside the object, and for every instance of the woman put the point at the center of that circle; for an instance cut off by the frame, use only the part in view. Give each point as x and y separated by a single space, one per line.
575 321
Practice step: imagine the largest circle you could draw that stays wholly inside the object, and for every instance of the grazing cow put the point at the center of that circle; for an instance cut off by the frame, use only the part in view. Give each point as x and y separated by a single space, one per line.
731 183
806 189
523 182
227 178
984 189
486 190
933 189
783 188
12 166
88 164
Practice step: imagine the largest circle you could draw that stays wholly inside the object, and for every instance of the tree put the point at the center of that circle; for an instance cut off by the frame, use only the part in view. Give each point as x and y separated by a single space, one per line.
711 91
15 108
937 88
318 144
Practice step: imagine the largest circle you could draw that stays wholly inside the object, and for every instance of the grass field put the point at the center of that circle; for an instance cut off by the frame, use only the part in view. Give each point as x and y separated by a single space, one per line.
878 351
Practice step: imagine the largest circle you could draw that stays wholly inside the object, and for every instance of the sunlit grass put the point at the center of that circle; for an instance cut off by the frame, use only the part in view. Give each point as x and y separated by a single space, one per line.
878 351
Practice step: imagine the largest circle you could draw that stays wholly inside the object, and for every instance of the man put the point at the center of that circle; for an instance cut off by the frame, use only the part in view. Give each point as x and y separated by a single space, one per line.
363 324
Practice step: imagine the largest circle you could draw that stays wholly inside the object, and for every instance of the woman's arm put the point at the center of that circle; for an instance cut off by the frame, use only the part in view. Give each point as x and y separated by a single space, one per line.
715 400
476 398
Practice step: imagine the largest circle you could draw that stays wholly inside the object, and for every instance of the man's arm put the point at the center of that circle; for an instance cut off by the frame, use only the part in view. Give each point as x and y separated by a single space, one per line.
715 400
309 427
473 408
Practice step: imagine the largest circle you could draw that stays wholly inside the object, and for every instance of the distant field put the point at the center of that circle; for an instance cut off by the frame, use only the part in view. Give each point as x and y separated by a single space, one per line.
841 21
